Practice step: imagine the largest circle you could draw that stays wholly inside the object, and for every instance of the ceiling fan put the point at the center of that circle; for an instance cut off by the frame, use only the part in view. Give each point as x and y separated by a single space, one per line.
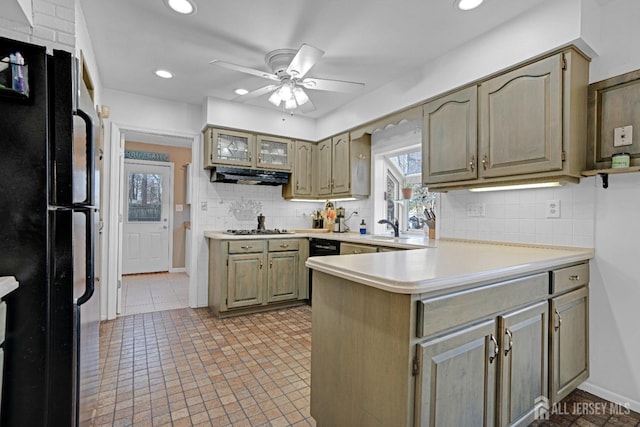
289 68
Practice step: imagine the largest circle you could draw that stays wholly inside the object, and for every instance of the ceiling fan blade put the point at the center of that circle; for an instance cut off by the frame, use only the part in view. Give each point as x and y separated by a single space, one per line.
332 85
307 107
245 70
256 93
306 58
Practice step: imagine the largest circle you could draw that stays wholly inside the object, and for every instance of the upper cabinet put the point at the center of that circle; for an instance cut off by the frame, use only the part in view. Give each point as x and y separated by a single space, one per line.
301 183
244 149
526 124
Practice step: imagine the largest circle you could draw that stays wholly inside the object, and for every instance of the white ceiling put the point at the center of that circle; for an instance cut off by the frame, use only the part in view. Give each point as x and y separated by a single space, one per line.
368 41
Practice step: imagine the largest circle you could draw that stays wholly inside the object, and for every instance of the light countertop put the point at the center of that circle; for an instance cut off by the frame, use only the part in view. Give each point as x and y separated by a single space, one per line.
7 284
449 265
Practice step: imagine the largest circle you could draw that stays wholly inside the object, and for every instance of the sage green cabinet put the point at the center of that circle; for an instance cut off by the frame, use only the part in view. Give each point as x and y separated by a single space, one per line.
300 184
255 275
340 165
274 153
343 167
569 326
245 280
324 162
456 384
449 137
521 120
354 249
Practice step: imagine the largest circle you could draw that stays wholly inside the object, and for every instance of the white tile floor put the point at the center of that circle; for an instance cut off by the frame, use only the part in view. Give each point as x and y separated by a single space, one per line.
145 293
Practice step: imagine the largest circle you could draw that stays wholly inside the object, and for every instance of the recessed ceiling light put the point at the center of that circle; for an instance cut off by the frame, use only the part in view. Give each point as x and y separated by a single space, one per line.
182 6
241 91
163 73
467 4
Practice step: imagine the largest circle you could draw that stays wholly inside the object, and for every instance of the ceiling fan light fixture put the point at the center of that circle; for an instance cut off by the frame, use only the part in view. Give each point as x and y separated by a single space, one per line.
467 4
300 95
275 98
290 103
184 7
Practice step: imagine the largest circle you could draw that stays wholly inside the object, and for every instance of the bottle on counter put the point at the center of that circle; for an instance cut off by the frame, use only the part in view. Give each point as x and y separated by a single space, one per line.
363 227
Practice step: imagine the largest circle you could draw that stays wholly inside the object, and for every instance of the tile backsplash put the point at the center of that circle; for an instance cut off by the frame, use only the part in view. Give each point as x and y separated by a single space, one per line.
520 216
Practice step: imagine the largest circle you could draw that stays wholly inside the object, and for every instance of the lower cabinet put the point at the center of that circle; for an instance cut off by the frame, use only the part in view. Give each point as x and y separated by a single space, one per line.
256 275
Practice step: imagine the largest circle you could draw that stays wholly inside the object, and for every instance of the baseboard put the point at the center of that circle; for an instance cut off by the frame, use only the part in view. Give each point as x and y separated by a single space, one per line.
634 405
177 270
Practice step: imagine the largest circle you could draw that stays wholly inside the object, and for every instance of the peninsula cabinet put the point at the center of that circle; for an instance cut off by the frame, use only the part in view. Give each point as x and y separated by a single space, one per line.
527 124
256 275
343 167
246 150
485 355
301 183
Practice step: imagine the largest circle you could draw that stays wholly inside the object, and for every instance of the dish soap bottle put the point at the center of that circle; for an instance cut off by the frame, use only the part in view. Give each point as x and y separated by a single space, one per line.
363 227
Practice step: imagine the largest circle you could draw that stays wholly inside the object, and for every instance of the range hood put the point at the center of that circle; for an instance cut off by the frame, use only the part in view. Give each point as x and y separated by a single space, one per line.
248 176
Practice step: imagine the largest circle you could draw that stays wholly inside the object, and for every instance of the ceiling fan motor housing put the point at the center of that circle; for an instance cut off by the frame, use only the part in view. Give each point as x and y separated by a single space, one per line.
278 60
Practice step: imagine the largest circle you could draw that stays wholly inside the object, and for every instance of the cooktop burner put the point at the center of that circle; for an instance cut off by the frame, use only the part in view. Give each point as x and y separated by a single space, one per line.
255 231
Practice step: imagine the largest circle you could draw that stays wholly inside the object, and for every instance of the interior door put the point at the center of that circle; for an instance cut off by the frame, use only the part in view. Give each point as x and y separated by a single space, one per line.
147 205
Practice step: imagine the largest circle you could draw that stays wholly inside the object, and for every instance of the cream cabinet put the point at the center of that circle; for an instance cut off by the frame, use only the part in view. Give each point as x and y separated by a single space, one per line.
256 275
301 183
343 167
245 149
523 125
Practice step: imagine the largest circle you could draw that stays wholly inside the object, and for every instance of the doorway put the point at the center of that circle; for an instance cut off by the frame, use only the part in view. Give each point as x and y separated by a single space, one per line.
148 197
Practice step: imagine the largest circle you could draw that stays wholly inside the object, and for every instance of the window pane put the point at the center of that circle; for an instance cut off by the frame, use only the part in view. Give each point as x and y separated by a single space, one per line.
145 197
409 163
392 195
420 201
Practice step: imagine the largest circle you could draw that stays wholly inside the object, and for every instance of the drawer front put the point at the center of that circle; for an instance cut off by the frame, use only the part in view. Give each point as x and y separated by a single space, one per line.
3 320
568 278
351 249
277 245
246 246
448 311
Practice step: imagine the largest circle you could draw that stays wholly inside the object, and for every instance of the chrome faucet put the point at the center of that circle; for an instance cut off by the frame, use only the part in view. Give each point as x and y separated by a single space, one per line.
396 226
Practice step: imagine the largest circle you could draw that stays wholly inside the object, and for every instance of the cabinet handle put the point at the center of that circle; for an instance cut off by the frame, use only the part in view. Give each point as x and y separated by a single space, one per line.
297 185
270 264
284 245
260 264
472 163
259 159
357 251
574 278
246 247
485 162
508 333
249 156
496 348
331 183
556 327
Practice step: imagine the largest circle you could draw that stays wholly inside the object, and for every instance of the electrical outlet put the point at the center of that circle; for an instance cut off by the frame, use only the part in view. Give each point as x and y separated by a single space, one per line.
203 206
553 208
300 212
475 209
179 208
623 136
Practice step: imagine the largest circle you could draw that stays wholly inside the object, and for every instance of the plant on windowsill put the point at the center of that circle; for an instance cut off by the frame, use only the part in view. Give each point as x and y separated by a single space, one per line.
407 190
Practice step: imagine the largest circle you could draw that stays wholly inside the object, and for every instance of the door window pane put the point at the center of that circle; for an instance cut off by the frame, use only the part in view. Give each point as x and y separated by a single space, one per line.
145 197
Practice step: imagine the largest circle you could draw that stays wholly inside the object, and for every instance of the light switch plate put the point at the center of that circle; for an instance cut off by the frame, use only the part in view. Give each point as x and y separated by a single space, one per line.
475 209
179 208
553 208
203 205
623 136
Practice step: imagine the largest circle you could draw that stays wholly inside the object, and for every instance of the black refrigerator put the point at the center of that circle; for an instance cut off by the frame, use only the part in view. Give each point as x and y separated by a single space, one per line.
48 235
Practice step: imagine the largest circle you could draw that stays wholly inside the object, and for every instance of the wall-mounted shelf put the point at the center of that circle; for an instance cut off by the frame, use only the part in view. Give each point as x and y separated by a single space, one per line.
604 173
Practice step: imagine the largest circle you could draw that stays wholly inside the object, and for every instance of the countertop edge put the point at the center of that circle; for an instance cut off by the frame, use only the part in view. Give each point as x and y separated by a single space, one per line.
8 284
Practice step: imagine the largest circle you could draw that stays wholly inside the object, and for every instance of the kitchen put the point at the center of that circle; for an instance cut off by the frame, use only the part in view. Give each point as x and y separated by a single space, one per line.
591 216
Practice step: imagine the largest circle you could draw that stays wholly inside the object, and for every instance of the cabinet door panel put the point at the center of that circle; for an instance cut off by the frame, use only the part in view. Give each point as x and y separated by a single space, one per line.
232 148
283 276
569 343
449 137
521 120
524 363
303 169
273 153
245 280
340 170
456 383
324 167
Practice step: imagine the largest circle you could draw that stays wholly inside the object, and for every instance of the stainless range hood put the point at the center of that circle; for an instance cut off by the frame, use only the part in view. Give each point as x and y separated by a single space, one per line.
248 176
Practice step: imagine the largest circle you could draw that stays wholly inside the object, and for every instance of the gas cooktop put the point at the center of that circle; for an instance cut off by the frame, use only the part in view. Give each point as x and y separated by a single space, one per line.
257 232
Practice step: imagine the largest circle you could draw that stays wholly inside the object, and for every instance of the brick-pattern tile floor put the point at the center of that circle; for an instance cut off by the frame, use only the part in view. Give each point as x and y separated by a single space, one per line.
187 368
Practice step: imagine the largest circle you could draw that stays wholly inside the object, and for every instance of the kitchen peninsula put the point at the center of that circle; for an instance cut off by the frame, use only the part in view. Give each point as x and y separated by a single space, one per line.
412 337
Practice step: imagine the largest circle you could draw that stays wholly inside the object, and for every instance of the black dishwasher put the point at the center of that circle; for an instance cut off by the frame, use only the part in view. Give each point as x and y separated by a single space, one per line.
321 247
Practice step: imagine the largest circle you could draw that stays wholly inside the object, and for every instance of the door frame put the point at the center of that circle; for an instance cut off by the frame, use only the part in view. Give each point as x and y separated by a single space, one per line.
124 182
113 169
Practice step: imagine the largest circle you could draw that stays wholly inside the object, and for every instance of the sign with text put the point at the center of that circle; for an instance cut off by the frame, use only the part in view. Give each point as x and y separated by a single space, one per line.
146 155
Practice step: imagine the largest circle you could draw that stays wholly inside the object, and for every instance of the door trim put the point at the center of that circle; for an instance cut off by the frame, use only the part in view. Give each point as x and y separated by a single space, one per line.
171 167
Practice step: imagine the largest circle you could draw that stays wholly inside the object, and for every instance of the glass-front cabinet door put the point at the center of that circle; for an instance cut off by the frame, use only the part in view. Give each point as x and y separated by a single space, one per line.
273 153
229 147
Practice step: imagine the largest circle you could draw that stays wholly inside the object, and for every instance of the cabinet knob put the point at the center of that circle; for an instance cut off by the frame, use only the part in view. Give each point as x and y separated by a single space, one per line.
297 185
472 163
575 278
284 245
485 162
260 264
270 264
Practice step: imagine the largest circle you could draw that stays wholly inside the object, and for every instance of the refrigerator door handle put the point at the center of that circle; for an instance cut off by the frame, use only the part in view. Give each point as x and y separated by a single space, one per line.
90 277
90 159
